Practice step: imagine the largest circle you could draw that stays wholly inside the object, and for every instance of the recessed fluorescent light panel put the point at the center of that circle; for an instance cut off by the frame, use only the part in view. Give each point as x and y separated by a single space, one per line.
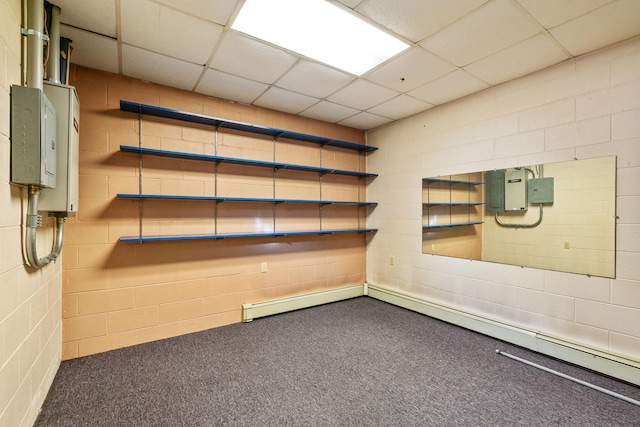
319 30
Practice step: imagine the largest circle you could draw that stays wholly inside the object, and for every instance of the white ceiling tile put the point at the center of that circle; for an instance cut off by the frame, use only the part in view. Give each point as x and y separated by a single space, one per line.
98 16
399 107
447 88
329 112
227 86
351 4
417 19
492 27
150 66
530 55
614 22
251 59
218 11
169 32
365 121
493 38
361 95
313 79
85 45
409 70
553 12
284 100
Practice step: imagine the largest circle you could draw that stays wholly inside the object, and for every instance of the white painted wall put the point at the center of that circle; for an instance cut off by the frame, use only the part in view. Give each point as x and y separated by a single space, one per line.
583 108
30 300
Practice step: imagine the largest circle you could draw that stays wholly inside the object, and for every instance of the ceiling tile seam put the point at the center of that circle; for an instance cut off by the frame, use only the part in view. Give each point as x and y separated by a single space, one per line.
162 54
182 12
119 34
275 85
90 31
486 3
207 64
225 31
542 28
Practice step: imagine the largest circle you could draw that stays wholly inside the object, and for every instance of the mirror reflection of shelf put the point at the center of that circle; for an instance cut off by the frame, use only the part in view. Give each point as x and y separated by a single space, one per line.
458 192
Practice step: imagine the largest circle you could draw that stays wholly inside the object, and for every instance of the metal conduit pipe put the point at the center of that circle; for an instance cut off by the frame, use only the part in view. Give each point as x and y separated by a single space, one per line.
570 378
33 222
535 224
53 70
35 75
35 38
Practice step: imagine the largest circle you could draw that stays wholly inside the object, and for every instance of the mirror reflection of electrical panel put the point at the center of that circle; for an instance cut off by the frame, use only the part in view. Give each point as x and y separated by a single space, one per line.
541 190
494 187
33 138
64 198
515 190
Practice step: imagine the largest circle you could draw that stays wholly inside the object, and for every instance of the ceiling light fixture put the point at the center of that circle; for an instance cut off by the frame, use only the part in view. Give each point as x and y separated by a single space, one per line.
319 30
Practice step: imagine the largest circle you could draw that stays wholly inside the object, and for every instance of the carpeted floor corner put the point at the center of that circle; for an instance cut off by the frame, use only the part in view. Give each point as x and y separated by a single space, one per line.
359 362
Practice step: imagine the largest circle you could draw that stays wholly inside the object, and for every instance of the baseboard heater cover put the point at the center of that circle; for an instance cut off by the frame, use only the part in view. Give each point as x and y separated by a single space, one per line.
252 311
606 363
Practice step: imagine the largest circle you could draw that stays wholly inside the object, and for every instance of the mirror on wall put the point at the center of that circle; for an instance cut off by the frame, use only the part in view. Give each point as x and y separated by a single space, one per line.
556 216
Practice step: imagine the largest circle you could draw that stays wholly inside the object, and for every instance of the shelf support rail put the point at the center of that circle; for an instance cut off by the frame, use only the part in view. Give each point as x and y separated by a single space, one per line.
273 191
141 202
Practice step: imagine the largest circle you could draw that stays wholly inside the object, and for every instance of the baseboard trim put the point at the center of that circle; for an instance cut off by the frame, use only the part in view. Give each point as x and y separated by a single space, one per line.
609 364
252 311
606 363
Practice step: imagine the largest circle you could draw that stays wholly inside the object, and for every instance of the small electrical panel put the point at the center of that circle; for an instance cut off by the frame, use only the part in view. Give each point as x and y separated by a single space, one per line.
541 190
64 198
33 138
515 190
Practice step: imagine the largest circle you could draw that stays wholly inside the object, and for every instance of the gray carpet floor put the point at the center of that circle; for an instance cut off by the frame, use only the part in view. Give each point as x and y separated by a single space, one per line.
359 362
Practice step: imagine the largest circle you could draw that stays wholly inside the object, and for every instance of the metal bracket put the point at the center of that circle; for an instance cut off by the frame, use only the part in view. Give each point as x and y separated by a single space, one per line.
34 221
31 32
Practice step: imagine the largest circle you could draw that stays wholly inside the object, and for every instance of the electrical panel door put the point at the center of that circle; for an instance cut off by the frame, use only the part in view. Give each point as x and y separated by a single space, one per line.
64 198
33 138
515 190
494 187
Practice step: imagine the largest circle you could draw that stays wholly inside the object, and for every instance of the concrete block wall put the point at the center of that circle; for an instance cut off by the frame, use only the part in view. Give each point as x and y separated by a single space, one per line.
583 108
30 299
120 294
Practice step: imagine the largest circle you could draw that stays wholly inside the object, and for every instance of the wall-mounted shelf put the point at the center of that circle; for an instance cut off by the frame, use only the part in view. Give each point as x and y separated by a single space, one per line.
216 122
255 130
240 199
243 162
178 237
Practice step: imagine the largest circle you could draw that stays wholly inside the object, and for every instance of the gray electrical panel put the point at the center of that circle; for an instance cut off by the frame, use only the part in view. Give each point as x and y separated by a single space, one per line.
541 190
494 191
515 190
33 138
64 198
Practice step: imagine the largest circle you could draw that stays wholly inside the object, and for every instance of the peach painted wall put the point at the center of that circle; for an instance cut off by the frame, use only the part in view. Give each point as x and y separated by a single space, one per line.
583 108
120 294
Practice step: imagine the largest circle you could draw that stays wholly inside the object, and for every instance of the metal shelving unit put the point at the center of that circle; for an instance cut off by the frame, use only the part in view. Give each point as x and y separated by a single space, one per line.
217 123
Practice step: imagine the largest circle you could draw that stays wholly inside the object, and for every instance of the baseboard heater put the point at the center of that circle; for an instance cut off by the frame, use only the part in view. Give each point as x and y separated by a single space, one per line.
276 306
606 363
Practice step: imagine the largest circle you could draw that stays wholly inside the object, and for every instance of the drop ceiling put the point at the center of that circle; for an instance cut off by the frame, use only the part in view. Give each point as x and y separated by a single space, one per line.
458 47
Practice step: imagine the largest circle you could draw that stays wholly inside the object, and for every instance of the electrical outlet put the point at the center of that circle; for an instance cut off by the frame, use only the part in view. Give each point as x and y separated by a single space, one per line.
263 267
567 245
392 260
